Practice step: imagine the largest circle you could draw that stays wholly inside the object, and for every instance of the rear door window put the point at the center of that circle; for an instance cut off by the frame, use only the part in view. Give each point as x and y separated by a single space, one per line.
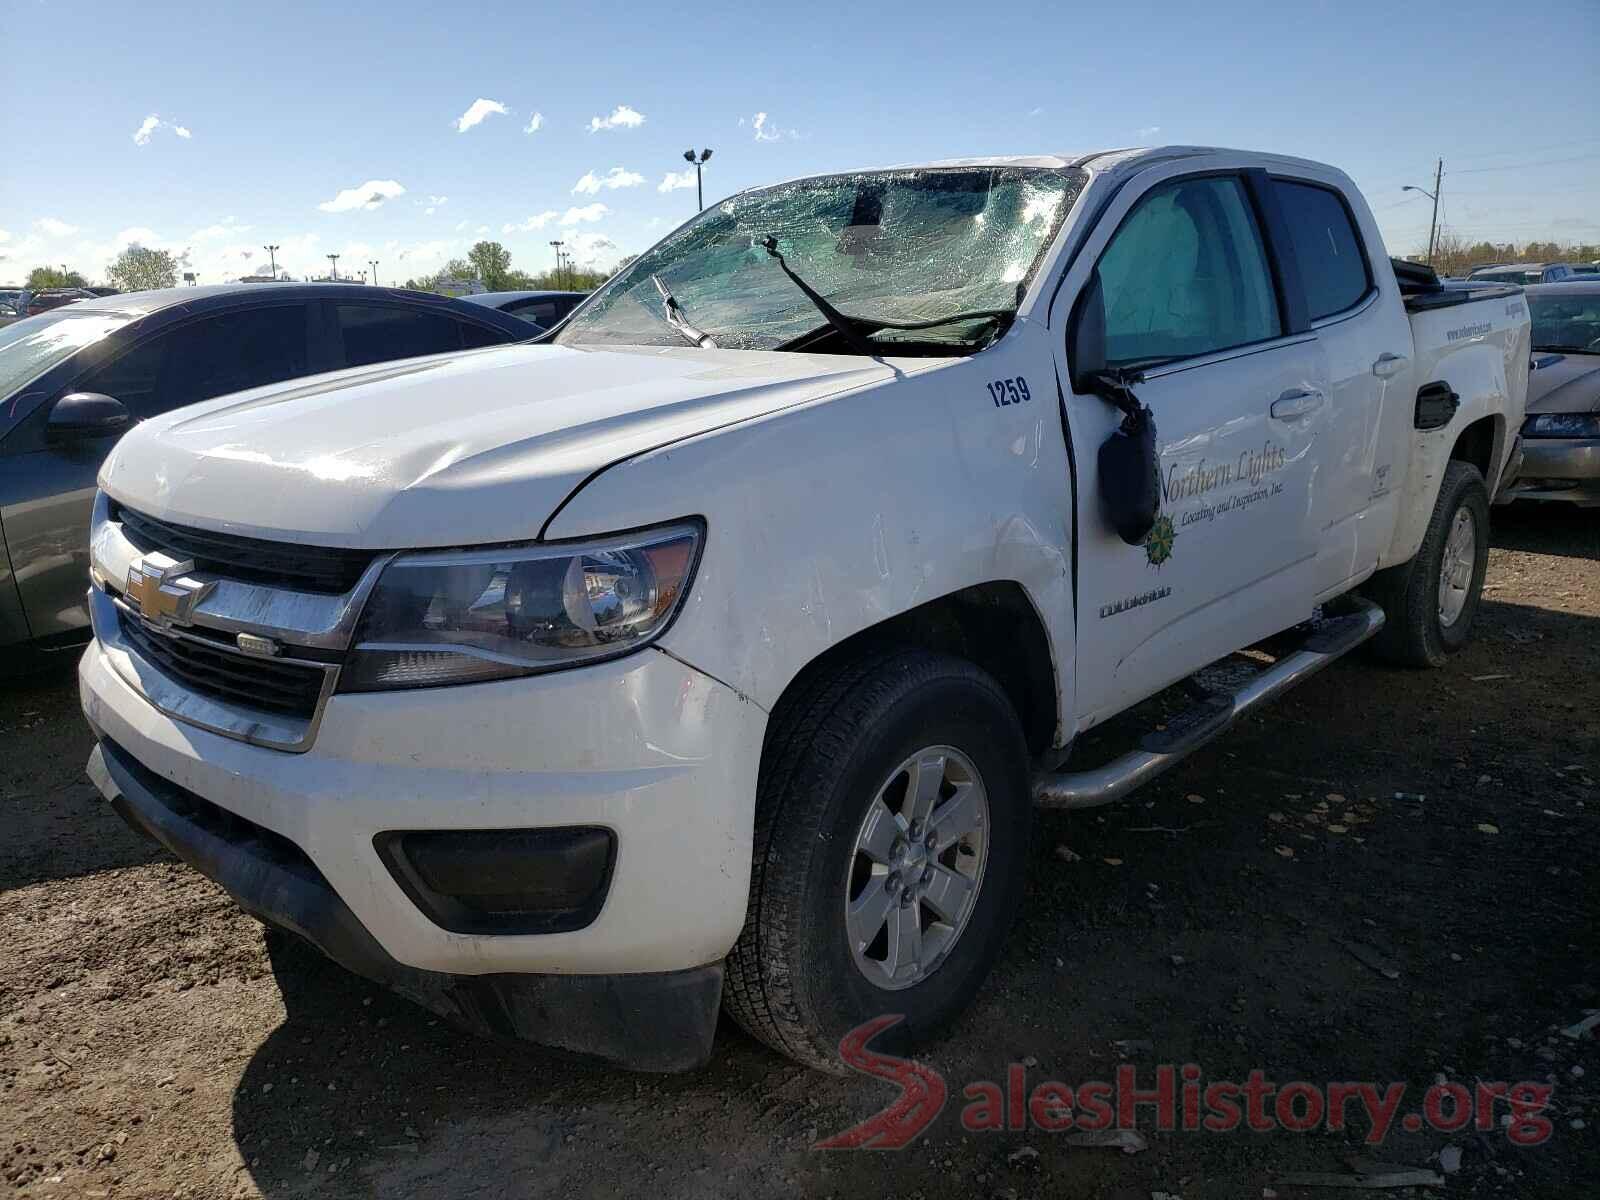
375 333
1186 274
1326 246
235 351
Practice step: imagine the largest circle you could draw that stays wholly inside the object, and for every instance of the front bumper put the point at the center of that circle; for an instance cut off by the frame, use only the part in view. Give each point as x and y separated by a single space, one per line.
660 1021
654 751
1558 469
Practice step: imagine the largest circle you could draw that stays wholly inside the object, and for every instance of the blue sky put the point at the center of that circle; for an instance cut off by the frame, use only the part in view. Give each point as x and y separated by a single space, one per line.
265 113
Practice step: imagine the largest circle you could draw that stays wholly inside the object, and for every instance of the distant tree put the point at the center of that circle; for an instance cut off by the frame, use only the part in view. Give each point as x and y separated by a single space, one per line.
623 263
54 277
140 269
491 262
1452 254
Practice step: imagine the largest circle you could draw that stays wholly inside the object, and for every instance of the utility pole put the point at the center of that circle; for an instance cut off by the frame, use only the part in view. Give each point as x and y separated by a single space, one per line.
334 259
699 164
557 246
1433 225
272 255
374 264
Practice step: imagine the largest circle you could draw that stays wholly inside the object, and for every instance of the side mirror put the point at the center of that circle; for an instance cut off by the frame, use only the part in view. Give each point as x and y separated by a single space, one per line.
79 415
1086 336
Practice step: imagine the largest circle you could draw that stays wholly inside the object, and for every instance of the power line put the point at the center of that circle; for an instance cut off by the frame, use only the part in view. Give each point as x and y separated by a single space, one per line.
1584 141
1548 162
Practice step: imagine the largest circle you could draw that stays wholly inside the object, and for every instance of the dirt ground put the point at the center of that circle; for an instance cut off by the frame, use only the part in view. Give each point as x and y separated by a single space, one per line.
1388 876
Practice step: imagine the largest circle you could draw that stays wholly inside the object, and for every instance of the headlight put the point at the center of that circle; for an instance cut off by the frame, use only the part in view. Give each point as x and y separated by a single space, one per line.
1562 425
470 616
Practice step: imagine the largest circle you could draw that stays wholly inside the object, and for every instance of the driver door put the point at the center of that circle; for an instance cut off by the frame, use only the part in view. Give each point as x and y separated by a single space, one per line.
1188 296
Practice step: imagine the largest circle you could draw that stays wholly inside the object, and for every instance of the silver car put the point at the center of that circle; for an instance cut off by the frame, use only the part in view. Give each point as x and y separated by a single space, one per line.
1561 435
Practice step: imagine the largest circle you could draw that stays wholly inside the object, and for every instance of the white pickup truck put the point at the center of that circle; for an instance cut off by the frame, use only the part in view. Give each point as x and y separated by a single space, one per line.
715 648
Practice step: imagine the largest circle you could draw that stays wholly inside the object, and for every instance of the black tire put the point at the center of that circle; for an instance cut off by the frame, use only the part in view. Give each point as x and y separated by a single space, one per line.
1413 633
792 980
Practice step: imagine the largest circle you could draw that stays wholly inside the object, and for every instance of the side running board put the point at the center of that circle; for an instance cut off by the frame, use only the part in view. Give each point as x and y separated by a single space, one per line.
1193 728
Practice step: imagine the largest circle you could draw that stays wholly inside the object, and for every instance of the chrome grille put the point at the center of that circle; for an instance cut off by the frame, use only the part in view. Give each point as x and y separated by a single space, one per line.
261 683
328 570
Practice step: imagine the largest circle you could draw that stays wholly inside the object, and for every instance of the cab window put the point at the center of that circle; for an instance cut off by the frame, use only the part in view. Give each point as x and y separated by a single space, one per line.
1186 274
1326 247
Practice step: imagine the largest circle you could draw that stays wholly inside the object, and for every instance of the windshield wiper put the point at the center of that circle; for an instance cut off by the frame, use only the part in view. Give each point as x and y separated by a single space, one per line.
837 319
856 330
680 323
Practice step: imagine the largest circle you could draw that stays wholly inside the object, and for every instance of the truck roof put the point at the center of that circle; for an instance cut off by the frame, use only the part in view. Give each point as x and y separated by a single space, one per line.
1108 161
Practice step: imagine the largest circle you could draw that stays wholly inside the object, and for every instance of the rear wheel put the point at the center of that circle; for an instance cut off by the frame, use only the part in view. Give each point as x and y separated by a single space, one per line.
891 841
1430 603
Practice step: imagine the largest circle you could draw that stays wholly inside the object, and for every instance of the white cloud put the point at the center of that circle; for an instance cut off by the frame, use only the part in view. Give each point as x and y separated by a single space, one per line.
432 204
5 235
148 127
535 123
51 227
533 223
766 131
137 235
622 117
1149 131
673 180
617 177
477 112
370 194
482 230
584 247
1036 112
589 212
227 227
461 224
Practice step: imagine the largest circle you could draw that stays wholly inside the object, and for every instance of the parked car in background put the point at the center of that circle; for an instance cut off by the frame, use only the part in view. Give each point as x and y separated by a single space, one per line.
73 379
1527 274
543 309
1561 435
46 299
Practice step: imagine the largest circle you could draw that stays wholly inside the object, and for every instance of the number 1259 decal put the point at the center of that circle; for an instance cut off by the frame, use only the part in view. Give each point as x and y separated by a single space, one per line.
1009 391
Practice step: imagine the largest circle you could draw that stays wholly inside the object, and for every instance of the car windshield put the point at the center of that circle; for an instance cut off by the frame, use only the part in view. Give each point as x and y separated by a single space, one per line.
1564 320
903 246
32 346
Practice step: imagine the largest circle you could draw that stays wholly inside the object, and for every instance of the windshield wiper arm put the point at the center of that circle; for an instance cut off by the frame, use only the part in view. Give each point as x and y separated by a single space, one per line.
679 322
837 319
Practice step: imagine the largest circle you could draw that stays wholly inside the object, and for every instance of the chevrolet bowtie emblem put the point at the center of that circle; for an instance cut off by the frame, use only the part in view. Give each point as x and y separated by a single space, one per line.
157 584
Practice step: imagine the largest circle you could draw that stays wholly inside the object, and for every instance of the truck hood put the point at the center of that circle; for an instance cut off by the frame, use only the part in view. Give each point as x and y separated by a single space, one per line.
465 448
1564 383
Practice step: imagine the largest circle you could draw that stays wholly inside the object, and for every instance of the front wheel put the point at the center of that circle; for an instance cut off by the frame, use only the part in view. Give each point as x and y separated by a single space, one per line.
891 841
1430 603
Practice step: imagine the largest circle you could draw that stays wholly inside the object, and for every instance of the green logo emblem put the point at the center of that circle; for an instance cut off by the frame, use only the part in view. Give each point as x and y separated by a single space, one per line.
1158 542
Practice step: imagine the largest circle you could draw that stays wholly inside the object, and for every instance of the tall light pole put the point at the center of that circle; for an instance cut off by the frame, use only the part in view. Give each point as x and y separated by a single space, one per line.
699 164
334 259
374 264
272 255
557 246
1433 225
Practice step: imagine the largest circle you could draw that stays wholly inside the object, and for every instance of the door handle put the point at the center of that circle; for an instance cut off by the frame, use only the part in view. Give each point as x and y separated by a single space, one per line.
1296 403
1389 364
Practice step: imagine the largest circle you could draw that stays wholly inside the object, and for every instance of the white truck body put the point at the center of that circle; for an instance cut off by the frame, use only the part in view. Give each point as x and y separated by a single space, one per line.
838 495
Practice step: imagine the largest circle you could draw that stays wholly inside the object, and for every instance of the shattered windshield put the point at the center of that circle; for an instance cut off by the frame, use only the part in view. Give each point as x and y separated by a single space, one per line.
904 246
